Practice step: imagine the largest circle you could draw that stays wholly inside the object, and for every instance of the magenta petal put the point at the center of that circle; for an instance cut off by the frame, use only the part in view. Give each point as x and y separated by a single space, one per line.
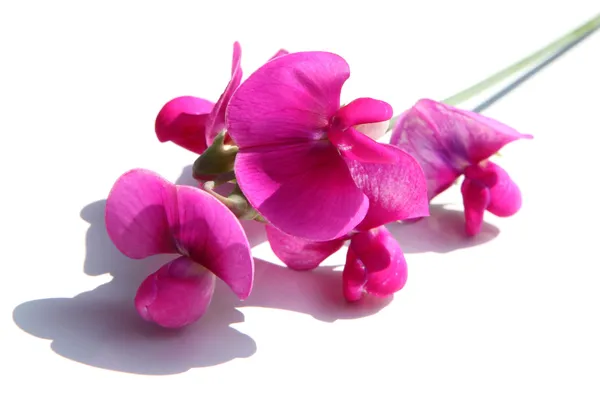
216 120
363 111
300 254
211 235
396 191
505 196
176 295
379 252
281 52
354 278
183 122
356 146
305 190
476 199
289 99
138 214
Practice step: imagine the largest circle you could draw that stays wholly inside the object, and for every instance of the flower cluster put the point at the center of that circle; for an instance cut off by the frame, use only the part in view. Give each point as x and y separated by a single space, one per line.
311 169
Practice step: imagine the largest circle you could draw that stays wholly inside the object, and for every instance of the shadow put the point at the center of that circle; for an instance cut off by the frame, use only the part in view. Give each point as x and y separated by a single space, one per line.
442 232
101 327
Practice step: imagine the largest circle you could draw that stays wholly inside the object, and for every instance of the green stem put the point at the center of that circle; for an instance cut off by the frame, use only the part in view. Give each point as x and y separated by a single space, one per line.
499 76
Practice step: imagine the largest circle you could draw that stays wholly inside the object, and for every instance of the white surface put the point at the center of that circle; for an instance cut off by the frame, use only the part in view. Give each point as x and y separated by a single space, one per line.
511 315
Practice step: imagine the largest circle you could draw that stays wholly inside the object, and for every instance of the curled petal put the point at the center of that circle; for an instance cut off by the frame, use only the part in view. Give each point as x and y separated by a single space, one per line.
356 146
505 196
138 214
396 191
476 198
183 121
363 110
216 120
176 295
305 190
377 258
290 99
445 140
300 254
209 233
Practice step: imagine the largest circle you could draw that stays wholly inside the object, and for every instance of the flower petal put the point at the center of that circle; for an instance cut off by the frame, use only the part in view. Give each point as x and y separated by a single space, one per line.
209 233
356 146
374 130
476 199
354 278
138 214
305 189
183 121
396 191
290 99
446 140
363 110
383 259
505 196
300 254
280 52
416 134
176 295
216 120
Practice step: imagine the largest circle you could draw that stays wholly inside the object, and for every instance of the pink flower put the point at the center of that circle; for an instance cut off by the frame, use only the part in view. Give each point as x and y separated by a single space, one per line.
147 215
375 263
193 122
302 163
449 142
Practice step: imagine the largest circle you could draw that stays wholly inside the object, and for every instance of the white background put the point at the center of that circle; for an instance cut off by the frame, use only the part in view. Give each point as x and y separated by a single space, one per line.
512 314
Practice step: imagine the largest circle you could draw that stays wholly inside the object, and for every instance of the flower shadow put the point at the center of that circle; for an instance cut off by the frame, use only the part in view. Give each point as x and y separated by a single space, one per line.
441 232
101 327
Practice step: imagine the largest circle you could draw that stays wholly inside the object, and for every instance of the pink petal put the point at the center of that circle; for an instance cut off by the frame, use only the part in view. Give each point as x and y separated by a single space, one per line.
137 219
446 140
416 134
210 234
353 145
374 130
505 196
476 199
183 122
363 110
281 52
289 99
216 120
305 189
176 295
396 191
300 254
377 254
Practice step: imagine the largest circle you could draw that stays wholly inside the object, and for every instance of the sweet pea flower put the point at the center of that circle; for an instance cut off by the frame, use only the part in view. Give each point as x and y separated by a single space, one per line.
304 166
148 215
449 142
192 122
375 263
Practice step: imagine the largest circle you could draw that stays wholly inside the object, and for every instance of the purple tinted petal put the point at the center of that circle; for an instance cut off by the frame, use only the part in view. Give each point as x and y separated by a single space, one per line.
396 191
363 111
305 190
216 120
356 146
209 233
505 196
300 254
417 135
176 295
289 99
383 260
183 122
476 198
138 211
